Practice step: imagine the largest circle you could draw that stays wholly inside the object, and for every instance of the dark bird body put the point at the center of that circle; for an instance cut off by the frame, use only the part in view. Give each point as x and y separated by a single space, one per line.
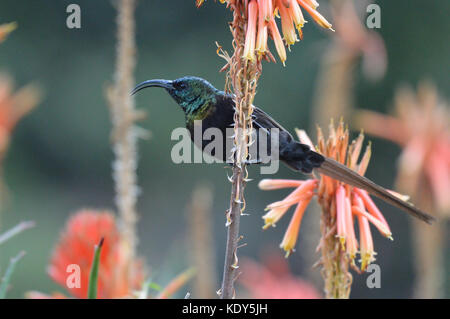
211 108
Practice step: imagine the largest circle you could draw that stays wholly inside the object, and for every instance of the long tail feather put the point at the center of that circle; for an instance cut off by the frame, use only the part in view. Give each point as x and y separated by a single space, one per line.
342 173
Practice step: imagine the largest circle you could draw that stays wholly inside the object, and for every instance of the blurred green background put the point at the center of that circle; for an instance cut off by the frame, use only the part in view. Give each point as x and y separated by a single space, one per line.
60 157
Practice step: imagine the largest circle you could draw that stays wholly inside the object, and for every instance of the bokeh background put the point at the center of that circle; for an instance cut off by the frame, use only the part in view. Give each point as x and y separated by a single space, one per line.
60 156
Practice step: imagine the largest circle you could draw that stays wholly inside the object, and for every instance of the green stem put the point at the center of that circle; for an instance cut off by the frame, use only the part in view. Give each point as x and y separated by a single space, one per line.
93 276
15 230
9 271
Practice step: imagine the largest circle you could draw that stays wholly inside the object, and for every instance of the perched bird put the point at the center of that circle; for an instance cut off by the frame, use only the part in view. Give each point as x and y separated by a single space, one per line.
203 104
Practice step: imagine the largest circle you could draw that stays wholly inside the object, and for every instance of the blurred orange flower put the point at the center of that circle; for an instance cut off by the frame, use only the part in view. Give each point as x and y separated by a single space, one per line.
422 127
13 107
261 16
6 29
273 280
76 247
357 40
341 203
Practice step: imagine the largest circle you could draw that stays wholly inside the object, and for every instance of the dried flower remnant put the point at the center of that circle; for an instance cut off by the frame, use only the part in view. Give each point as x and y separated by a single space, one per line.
262 15
13 106
341 205
272 279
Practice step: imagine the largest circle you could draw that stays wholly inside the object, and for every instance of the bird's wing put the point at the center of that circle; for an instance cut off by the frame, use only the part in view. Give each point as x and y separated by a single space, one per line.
262 120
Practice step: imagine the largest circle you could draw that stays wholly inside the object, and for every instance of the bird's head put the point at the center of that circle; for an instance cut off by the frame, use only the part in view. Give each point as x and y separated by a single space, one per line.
189 92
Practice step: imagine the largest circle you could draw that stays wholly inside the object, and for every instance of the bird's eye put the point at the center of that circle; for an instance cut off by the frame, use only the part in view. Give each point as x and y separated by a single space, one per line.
182 85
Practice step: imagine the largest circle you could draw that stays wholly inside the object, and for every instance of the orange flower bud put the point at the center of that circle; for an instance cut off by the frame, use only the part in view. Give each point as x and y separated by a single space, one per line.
250 38
279 45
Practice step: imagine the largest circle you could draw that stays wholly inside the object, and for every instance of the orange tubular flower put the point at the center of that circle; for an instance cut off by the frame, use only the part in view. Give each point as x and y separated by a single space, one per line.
421 127
261 40
261 22
250 38
341 203
287 24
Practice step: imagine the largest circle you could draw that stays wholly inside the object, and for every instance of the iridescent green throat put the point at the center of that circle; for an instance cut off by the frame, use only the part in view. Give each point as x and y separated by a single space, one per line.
199 109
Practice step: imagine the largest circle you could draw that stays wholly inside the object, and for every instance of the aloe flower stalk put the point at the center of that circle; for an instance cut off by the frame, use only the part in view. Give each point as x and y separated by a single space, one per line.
253 22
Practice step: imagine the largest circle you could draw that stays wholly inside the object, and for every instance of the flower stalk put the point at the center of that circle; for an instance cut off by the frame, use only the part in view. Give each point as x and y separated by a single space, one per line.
202 241
243 76
253 23
124 116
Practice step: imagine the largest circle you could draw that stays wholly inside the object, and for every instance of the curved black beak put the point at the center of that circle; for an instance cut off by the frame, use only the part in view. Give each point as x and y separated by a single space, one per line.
167 84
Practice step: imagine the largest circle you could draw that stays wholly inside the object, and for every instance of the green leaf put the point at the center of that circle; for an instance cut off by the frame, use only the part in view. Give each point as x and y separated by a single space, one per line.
148 284
93 276
154 286
9 271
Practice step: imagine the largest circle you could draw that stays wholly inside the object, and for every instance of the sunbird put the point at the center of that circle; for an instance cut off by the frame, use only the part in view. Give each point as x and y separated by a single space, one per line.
203 104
